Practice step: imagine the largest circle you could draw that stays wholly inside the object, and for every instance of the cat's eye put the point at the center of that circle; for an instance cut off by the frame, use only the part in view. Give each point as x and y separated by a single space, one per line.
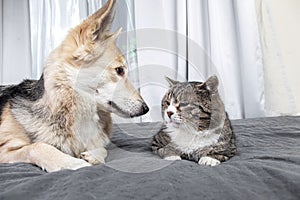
120 71
168 103
183 104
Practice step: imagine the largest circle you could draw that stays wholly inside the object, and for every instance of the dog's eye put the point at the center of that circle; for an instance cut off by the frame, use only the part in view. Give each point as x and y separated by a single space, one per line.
120 71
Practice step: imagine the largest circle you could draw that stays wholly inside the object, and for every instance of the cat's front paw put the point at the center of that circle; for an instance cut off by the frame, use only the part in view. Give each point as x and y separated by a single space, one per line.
208 161
173 158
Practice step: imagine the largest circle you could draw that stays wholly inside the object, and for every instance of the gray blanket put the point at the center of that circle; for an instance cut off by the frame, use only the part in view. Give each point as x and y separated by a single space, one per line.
267 167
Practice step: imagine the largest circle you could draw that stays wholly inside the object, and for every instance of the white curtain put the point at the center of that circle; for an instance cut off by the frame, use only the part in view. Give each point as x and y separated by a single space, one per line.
191 40
183 39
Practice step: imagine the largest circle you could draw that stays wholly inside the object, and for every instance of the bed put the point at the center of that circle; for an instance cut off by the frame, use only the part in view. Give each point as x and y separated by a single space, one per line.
267 167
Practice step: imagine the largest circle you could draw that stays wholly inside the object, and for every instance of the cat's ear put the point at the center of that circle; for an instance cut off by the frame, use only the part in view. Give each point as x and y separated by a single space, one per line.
170 81
212 83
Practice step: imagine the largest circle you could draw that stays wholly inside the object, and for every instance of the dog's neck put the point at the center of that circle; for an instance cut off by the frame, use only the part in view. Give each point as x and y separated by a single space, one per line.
64 91
63 95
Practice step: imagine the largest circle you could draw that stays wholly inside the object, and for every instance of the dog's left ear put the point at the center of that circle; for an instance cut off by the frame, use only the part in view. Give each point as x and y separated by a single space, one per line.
101 21
82 43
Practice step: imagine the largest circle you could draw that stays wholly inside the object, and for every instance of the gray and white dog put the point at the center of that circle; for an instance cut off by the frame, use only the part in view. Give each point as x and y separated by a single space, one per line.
63 120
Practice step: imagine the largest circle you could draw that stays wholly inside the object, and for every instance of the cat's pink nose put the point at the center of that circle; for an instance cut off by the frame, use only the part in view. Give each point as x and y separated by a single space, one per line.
170 113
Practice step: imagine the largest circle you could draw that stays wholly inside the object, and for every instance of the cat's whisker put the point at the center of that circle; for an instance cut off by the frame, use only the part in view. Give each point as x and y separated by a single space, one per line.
188 123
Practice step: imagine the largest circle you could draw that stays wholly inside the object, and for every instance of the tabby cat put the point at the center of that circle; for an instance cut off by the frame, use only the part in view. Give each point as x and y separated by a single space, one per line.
196 127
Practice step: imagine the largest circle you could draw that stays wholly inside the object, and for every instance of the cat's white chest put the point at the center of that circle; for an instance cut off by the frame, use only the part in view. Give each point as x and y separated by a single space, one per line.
188 142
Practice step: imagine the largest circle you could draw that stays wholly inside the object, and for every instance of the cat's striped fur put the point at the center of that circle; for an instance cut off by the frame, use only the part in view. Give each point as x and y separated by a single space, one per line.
196 127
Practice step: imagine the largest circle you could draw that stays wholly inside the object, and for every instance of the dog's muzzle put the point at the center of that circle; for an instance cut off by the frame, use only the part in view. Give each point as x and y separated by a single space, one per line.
143 110
134 111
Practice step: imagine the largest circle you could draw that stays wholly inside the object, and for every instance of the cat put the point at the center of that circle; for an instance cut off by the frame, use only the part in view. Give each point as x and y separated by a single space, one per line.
196 126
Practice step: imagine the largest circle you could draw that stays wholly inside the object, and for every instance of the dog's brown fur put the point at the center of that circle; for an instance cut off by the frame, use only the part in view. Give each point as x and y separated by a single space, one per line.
63 120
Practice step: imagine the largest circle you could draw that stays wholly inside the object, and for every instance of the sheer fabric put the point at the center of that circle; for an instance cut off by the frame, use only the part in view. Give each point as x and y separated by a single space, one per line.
186 40
198 39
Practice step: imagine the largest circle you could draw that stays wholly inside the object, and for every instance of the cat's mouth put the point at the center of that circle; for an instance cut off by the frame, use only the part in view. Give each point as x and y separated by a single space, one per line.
174 123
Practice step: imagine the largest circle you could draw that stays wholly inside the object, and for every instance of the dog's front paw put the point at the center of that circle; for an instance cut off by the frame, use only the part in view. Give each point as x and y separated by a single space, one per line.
67 163
173 158
208 161
95 157
91 159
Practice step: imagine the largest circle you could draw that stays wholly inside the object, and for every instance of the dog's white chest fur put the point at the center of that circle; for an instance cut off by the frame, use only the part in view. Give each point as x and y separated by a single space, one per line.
188 141
87 130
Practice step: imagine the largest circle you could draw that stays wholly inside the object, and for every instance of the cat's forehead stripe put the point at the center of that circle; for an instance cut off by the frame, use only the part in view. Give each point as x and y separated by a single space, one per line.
178 90
181 91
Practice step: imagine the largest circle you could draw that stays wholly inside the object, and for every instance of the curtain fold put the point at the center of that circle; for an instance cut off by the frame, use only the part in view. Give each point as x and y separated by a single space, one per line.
250 59
232 43
211 37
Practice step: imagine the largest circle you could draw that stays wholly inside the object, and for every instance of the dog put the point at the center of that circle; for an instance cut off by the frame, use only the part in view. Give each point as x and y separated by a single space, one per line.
63 120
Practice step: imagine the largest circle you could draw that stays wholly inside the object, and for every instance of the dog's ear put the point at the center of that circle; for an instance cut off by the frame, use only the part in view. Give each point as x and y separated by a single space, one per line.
82 43
101 21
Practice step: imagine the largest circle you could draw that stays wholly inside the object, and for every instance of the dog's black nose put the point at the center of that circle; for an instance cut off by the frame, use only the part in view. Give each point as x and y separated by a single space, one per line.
145 108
